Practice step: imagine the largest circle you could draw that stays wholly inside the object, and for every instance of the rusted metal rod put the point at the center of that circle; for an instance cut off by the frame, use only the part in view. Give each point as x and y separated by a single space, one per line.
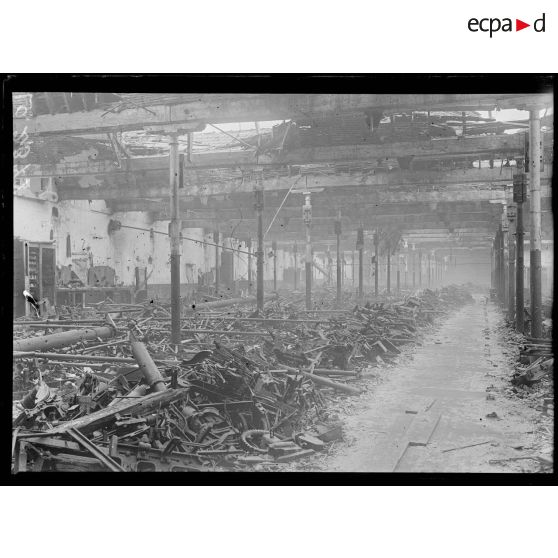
147 366
320 372
92 365
106 460
64 339
104 345
271 320
325 382
43 323
225 332
53 325
230 302
80 357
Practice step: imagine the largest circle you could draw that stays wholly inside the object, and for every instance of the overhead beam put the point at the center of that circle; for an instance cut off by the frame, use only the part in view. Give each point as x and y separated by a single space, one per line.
505 144
375 197
324 225
239 207
477 241
198 109
153 187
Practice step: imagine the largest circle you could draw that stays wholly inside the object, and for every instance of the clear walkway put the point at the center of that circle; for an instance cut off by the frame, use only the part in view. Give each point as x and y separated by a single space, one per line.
438 401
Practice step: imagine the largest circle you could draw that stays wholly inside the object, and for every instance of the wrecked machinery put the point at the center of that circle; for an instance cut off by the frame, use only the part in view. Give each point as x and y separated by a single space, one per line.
104 389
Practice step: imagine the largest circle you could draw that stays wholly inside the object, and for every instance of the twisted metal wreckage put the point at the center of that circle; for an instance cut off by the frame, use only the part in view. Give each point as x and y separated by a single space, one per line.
252 390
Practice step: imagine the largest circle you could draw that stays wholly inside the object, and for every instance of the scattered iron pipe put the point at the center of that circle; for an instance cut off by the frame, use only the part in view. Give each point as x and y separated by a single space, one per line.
326 382
147 366
53 325
85 358
90 322
320 372
271 320
63 339
225 332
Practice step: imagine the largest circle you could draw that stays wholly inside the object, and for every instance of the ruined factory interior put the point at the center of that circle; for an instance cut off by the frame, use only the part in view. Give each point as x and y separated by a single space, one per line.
273 282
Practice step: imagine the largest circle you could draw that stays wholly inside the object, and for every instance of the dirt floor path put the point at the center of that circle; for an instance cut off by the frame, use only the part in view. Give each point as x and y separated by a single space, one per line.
451 393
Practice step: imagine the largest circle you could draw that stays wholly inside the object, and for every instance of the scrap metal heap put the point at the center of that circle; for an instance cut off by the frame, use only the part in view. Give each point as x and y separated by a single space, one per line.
533 378
107 390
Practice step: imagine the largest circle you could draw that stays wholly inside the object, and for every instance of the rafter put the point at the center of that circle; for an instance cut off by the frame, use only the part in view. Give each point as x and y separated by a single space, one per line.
198 109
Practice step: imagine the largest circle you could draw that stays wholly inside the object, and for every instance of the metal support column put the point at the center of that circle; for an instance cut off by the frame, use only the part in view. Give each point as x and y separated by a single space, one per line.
406 281
338 236
428 270
492 264
174 170
217 266
249 247
388 277
511 263
258 206
519 271
274 248
497 266
295 253
420 268
376 263
505 262
535 233
398 274
307 218
353 268
360 248
502 273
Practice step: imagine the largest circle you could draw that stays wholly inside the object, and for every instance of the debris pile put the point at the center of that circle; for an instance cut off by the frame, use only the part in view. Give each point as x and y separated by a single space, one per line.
533 377
107 391
533 383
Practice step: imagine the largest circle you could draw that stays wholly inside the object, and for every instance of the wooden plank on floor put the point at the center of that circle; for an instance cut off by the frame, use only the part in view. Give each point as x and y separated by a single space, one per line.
386 454
413 427
423 427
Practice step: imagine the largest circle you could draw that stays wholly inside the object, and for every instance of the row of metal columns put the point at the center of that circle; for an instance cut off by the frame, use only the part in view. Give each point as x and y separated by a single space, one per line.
508 273
500 275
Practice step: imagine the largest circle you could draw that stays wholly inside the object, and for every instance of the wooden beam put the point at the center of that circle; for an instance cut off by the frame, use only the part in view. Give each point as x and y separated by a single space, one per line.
218 108
324 224
238 207
93 187
505 144
377 197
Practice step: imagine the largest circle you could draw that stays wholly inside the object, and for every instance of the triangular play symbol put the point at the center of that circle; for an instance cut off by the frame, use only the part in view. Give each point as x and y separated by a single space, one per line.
519 25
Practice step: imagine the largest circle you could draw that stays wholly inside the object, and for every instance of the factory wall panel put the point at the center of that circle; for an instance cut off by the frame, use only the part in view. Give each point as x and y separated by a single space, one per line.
80 233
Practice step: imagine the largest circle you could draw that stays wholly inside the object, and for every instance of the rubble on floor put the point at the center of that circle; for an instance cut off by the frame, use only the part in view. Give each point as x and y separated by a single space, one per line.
104 389
532 382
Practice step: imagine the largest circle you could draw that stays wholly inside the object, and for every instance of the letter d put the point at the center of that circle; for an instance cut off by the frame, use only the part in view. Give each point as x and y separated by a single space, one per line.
541 30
